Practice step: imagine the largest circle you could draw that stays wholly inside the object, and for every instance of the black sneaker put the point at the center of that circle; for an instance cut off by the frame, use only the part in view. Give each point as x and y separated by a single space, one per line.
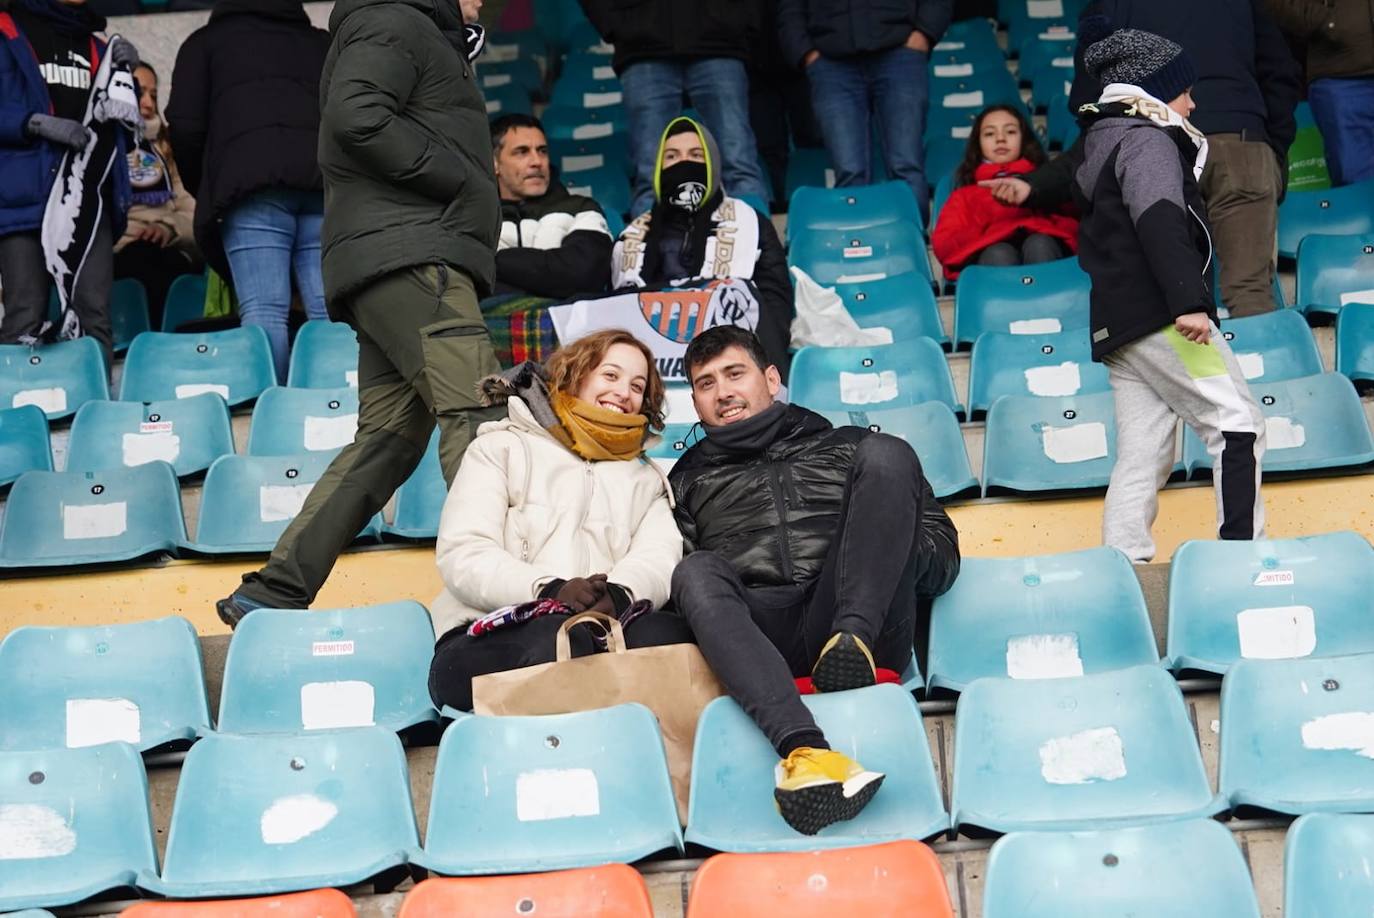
234 607
844 663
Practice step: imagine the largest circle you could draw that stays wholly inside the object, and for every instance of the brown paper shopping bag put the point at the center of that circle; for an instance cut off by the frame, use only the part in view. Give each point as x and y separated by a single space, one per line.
673 681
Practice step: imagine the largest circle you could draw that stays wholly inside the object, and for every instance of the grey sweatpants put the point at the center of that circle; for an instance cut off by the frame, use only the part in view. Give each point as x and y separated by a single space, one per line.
1155 380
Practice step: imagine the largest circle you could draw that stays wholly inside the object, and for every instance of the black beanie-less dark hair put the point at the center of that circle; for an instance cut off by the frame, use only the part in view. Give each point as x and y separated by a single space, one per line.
1155 64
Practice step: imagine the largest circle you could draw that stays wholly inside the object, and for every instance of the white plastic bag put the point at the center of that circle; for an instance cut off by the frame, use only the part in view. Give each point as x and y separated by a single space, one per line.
822 319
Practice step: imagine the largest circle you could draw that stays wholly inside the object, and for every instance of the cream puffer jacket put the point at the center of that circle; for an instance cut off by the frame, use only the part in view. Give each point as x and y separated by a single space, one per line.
524 510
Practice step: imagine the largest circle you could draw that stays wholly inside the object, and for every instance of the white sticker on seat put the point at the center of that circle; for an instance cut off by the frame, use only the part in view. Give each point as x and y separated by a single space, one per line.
1353 730
1057 33
861 278
953 70
949 46
495 80
601 99
829 178
1048 326
328 705
281 502
961 131
1277 633
1251 365
868 388
1079 443
593 131
1063 379
95 521
1043 656
330 432
1061 62
1283 433
556 793
972 99
92 721
141 448
603 73
290 819
1357 296
493 106
190 389
29 831
1084 757
1045 9
584 162
351 377
681 409
50 400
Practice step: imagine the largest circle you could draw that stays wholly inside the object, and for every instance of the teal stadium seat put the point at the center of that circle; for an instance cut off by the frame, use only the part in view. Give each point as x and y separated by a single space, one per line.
809 167
568 122
1053 49
59 378
1038 299
882 375
1330 211
974 92
508 100
235 363
190 433
904 304
1054 79
853 208
507 46
248 501
589 64
583 90
140 683
1316 422
59 519
675 440
943 156
873 253
933 432
1057 364
268 814
1049 444
1297 735
608 185
572 156
732 806
1355 344
952 118
289 421
1061 124
128 312
522 72
944 187
975 32
581 35
1270 599
1180 870
1111 748
1023 27
1040 617
24 444
1334 271
324 356
1324 866
527 794
291 671
185 301
74 823
1273 346
420 499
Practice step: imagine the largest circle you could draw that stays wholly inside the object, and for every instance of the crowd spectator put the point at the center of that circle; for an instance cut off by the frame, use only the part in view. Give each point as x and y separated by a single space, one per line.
1339 37
779 105
410 230
159 242
867 61
554 511
808 546
49 58
664 48
696 231
1154 323
974 227
553 244
244 120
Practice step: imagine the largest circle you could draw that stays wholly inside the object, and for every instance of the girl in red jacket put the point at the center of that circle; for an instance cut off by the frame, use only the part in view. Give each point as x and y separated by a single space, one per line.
973 228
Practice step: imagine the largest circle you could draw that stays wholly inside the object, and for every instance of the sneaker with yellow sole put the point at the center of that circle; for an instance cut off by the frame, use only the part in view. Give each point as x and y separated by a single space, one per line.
817 787
845 663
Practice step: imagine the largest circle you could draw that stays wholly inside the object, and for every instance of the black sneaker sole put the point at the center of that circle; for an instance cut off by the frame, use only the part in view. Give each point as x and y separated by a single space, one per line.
843 667
811 809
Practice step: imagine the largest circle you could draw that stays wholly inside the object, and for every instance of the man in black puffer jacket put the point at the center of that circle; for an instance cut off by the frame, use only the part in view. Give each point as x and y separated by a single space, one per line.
808 547
410 227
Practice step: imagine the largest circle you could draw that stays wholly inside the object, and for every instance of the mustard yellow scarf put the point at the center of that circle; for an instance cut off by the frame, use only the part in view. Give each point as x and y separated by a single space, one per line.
596 433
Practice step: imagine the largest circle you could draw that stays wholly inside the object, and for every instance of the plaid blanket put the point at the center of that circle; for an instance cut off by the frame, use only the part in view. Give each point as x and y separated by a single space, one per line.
520 328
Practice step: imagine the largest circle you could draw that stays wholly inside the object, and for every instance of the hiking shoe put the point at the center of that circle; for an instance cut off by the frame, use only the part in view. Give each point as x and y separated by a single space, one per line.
816 787
844 663
234 607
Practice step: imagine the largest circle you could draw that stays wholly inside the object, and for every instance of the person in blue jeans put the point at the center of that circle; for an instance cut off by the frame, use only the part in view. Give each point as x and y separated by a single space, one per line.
668 49
866 62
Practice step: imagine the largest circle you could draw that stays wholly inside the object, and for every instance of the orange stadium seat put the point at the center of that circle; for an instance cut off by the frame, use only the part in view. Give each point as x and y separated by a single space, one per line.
317 903
612 891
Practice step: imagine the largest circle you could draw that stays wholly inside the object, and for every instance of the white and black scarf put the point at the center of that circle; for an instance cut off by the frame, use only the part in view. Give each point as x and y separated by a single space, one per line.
1141 103
76 204
731 249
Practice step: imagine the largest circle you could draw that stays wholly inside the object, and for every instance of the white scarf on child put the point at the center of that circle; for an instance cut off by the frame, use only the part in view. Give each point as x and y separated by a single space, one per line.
1143 103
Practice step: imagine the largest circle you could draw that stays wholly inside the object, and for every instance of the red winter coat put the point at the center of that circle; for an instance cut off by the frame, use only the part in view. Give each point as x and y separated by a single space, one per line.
972 220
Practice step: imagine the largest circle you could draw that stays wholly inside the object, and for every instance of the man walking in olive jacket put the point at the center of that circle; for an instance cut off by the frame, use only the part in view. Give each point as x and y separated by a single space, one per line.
411 218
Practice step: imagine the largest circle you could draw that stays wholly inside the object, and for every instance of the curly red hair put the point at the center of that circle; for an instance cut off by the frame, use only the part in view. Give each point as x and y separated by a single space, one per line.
569 365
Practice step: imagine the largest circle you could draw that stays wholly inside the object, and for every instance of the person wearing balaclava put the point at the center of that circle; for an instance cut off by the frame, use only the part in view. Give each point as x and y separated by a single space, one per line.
1145 244
696 232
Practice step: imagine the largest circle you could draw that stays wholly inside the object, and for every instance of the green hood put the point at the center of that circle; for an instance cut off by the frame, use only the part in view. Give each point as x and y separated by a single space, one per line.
708 143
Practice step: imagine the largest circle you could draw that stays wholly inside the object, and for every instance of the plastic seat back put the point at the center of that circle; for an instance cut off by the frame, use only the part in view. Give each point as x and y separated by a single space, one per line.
61 518
269 814
1273 346
809 167
879 376
73 823
288 421
508 100
1040 617
607 185
420 499
24 442
236 364
1061 126
1020 299
566 122
324 356
290 671
675 440
1049 444
608 891
316 903
873 253
1355 343
522 71
128 311
185 301
1108 748
853 208
1347 210
572 155
1334 271
140 683
899 878
933 432
1050 365
190 433
59 378
1324 858
732 806
903 303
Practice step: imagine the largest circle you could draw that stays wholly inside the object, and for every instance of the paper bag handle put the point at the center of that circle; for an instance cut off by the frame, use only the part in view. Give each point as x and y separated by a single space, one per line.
615 637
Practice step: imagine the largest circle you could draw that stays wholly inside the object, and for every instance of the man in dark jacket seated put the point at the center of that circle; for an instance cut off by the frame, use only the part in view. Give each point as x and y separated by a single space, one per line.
553 243
808 546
